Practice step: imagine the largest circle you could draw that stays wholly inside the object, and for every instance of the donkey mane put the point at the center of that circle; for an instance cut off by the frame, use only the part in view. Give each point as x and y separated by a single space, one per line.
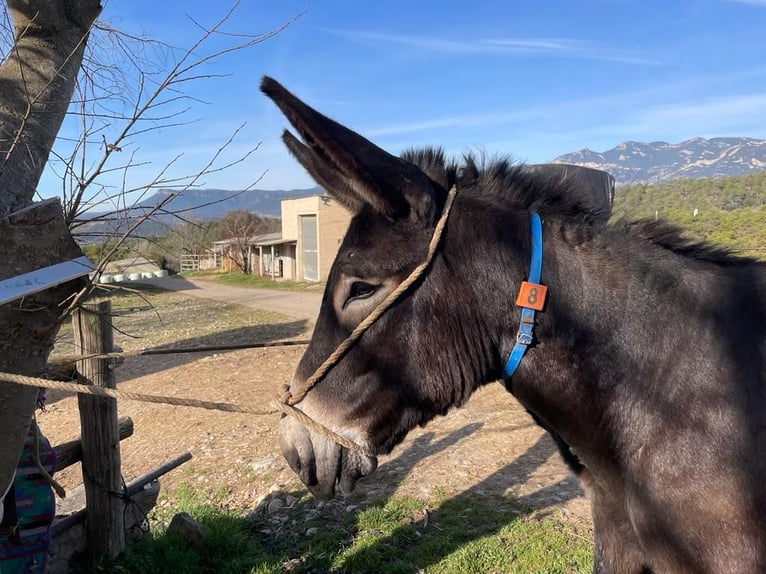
504 184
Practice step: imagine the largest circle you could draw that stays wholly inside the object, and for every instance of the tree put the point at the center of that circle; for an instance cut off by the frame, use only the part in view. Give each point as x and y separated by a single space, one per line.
37 80
240 227
50 59
184 238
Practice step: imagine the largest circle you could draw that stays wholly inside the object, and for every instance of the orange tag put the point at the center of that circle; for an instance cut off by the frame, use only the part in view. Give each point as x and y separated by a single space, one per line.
531 296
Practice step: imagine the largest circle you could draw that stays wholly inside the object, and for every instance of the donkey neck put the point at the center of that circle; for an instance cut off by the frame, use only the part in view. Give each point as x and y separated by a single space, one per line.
620 310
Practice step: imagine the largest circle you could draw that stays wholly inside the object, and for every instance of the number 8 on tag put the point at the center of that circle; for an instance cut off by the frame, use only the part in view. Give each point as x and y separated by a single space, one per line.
531 296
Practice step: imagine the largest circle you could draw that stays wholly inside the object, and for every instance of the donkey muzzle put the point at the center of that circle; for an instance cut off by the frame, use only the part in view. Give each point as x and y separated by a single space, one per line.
320 463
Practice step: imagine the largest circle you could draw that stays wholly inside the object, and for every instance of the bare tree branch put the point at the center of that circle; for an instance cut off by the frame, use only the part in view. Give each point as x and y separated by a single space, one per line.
126 101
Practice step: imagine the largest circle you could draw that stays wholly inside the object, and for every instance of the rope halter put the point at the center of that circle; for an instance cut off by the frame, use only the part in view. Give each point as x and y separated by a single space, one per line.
288 400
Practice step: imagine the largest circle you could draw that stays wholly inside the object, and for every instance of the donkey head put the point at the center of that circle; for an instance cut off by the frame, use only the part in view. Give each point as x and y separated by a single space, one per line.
381 388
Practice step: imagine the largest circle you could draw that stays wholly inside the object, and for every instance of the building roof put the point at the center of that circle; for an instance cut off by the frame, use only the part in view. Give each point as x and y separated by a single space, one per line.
278 241
267 239
264 240
322 195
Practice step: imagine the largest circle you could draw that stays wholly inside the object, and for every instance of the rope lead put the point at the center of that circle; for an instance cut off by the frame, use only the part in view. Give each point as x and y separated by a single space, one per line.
287 400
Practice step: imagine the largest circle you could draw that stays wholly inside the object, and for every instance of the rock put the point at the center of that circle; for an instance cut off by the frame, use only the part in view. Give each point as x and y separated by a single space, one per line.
290 500
312 531
68 545
186 527
260 502
292 564
275 505
263 464
352 508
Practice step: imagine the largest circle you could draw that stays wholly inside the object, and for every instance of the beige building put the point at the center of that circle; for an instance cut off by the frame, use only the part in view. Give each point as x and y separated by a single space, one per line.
315 226
312 230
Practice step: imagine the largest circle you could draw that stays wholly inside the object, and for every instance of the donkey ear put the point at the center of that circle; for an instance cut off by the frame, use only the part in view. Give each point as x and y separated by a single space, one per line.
351 168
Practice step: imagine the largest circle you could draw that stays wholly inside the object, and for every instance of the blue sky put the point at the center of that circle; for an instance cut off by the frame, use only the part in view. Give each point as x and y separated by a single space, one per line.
533 79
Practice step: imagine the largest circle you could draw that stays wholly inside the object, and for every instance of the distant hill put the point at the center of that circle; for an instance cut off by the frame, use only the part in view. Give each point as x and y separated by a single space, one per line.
192 204
636 162
209 204
689 175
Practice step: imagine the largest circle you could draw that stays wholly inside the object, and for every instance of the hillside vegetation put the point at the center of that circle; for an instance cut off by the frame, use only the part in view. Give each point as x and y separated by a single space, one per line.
730 211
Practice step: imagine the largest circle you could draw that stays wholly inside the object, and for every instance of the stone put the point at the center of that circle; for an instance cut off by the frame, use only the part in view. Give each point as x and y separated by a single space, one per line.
263 464
275 505
186 527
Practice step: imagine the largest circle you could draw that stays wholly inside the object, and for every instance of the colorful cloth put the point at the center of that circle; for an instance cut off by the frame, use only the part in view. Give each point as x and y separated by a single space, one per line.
23 549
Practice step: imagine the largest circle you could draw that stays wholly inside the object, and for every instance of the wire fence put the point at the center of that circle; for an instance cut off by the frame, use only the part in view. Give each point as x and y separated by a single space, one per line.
178 350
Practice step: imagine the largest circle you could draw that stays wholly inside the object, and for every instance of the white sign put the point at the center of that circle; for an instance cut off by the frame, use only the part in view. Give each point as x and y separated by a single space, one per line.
42 279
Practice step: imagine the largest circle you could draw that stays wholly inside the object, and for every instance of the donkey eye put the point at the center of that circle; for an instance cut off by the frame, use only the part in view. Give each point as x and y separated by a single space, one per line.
360 290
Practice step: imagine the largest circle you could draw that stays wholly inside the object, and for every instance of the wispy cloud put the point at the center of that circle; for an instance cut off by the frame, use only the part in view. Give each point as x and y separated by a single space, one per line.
725 115
541 47
454 121
583 107
734 115
649 114
750 2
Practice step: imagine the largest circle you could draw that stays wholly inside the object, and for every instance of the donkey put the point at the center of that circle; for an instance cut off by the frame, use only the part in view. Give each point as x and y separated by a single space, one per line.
646 362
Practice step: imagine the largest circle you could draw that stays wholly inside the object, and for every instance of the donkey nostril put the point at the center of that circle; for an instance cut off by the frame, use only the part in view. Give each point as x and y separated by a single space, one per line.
293 458
298 451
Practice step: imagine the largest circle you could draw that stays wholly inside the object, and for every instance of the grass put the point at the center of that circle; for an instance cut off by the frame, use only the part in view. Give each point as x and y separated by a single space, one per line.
245 280
401 535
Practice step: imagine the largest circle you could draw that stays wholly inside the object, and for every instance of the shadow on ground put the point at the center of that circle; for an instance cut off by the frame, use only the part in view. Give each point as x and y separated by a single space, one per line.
140 366
174 283
291 531
131 367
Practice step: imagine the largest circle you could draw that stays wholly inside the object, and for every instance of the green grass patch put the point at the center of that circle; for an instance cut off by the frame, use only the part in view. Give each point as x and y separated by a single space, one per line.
401 535
245 280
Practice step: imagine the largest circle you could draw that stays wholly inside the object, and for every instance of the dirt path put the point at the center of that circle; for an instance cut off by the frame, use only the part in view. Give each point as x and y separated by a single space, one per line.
299 305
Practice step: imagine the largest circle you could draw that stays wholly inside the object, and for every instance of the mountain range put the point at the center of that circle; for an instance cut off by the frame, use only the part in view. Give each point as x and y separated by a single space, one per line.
635 162
209 204
629 162
191 205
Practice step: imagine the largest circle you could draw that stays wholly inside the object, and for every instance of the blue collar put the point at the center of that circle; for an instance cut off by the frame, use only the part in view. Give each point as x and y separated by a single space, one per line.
531 298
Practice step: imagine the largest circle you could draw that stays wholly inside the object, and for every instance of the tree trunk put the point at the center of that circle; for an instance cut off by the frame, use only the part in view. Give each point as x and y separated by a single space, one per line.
37 81
32 238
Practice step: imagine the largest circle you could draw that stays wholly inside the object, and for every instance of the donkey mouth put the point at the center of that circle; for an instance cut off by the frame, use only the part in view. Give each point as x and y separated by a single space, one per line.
321 464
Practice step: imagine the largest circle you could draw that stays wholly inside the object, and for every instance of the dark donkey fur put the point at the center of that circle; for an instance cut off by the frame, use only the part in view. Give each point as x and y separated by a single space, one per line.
648 366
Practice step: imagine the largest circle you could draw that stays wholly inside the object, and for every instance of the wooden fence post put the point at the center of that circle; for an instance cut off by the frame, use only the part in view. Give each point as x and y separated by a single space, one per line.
99 431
